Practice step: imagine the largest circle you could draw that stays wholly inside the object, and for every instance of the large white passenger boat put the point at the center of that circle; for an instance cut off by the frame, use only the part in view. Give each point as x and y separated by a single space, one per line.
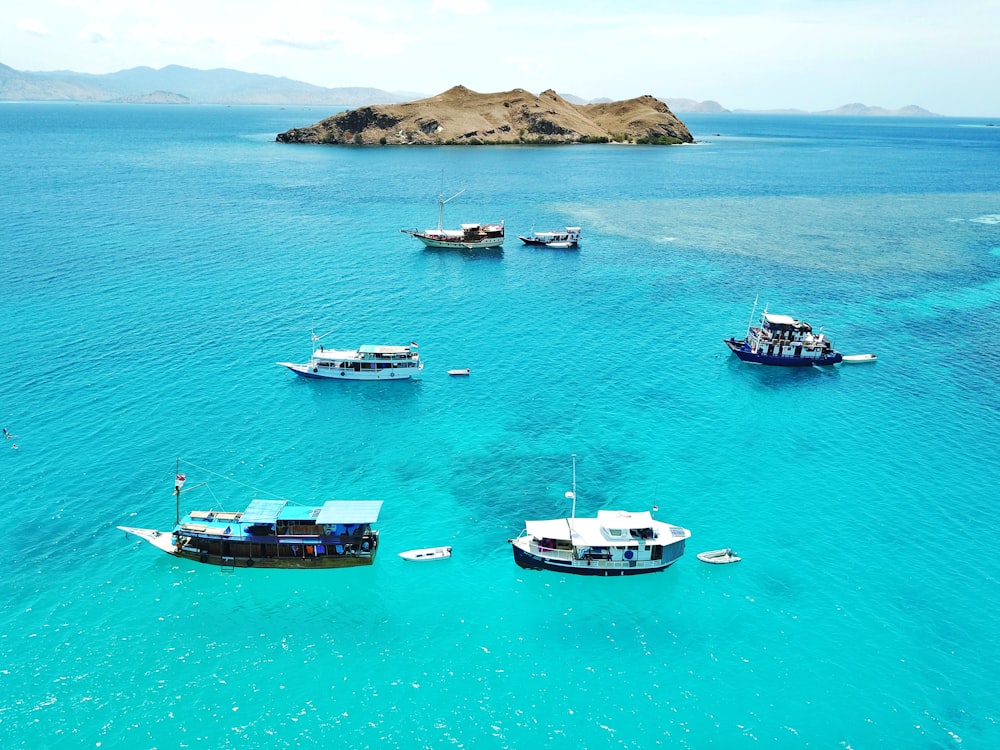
615 543
367 362
469 237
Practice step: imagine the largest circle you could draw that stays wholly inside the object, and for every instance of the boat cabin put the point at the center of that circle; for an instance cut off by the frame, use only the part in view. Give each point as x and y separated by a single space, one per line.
367 357
622 525
784 336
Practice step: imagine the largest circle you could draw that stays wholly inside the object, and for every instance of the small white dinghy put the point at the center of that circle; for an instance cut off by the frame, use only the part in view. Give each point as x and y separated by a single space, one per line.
719 556
459 372
857 359
428 553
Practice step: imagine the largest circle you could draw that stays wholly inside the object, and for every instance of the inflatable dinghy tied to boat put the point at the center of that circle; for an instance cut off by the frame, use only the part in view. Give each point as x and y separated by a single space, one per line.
719 556
428 553
858 359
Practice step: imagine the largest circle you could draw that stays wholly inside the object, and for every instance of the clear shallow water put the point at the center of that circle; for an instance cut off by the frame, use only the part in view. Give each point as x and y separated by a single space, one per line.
157 262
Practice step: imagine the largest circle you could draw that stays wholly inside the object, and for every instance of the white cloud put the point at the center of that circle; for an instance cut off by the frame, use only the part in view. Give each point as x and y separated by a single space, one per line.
96 33
461 7
811 54
32 26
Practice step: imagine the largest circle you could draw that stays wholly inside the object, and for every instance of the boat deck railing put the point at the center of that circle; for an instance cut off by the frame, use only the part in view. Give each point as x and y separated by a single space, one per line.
602 561
556 554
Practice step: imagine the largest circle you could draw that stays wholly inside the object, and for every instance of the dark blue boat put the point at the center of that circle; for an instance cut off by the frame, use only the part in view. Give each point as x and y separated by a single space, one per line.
783 341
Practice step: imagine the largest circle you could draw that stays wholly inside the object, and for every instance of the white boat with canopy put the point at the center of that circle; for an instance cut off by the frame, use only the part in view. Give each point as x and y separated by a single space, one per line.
614 543
367 362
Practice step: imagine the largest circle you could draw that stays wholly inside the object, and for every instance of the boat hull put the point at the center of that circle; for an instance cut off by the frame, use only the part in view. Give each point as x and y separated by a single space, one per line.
316 373
292 563
549 243
239 553
605 568
457 244
746 354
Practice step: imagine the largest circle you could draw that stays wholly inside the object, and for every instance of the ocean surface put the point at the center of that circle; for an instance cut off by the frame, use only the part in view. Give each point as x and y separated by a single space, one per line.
158 261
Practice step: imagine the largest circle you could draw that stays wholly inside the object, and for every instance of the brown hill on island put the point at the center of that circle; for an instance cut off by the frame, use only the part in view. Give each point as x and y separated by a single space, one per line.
462 116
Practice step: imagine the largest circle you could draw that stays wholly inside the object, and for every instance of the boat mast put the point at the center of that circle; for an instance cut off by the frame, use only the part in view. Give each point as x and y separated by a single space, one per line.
572 494
574 485
441 202
177 492
316 339
753 312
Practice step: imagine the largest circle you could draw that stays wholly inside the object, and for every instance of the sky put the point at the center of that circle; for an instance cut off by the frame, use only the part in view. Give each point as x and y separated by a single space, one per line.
812 55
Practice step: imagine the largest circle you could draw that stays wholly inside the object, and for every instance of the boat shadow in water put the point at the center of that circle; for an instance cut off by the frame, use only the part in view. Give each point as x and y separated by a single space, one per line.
329 398
470 254
760 376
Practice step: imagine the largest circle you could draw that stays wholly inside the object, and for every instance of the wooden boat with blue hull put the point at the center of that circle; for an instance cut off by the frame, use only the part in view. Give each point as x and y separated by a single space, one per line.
614 543
273 534
783 341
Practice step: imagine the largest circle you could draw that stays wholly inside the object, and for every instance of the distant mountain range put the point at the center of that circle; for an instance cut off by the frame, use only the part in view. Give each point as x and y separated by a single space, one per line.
857 110
176 84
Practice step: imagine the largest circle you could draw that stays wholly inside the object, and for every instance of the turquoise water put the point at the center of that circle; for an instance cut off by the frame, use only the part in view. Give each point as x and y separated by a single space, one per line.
158 261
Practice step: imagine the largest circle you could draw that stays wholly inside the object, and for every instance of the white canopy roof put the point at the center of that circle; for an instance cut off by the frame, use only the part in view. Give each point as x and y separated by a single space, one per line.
349 511
335 354
622 519
263 511
780 320
589 532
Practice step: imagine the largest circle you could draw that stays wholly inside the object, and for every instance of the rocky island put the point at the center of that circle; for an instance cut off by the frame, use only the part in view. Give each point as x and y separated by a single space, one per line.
462 116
